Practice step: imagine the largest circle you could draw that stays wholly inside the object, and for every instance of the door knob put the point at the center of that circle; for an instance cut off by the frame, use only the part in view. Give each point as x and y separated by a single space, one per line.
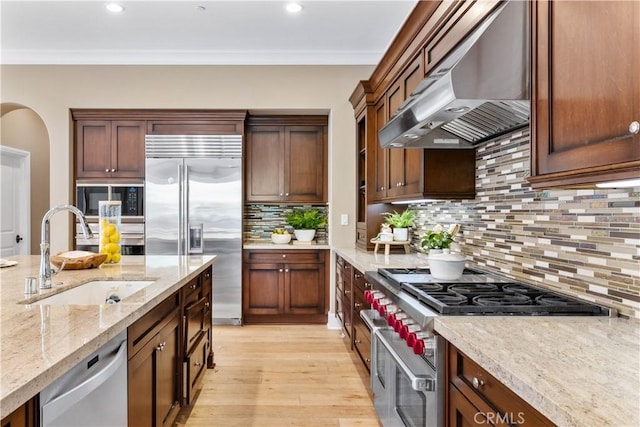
634 127
18 238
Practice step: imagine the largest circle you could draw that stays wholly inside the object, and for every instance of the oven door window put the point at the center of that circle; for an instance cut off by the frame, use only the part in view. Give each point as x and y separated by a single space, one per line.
410 405
382 355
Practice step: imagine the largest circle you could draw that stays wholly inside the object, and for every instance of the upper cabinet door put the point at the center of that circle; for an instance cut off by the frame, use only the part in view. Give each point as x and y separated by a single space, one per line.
586 92
286 163
304 152
265 163
93 148
127 148
110 149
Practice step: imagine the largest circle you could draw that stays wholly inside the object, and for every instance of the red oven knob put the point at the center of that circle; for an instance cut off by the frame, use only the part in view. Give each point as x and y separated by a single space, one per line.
418 347
391 319
368 297
407 329
375 304
411 339
382 310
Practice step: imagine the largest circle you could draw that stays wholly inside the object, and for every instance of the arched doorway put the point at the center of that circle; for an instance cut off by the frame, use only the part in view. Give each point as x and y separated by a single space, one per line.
23 129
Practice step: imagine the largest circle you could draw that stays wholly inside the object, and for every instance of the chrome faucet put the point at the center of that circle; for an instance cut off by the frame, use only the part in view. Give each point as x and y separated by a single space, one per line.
45 257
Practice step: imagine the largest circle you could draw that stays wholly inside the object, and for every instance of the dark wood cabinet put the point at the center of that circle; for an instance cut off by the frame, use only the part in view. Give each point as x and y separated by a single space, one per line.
153 369
405 165
169 349
475 397
110 148
586 92
197 353
286 159
26 415
284 286
350 287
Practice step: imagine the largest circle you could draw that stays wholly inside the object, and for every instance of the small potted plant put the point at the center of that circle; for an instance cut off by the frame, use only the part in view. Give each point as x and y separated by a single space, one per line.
401 222
439 238
305 222
280 236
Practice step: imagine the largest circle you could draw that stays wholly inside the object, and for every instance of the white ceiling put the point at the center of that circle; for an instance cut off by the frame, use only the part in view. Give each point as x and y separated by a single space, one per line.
234 32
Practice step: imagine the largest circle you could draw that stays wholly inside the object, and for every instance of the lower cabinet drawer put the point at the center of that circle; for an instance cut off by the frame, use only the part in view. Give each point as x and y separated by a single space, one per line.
194 317
362 341
195 367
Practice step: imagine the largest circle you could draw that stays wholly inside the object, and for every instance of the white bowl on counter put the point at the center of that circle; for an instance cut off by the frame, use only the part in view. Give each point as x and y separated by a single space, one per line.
446 266
281 239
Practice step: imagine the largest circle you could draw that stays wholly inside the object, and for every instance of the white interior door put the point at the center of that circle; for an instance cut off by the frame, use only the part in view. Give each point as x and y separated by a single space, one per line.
15 196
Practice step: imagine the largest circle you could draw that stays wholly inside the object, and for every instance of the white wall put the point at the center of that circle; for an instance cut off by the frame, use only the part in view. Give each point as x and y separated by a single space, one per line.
52 90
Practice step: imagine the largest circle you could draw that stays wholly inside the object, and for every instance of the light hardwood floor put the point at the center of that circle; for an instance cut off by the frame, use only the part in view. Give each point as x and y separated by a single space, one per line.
283 375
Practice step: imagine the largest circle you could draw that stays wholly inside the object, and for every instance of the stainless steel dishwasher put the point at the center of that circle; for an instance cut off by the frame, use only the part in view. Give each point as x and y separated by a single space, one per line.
93 393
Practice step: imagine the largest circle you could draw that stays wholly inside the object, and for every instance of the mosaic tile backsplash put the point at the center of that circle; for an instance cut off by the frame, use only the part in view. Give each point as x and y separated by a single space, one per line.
584 243
260 220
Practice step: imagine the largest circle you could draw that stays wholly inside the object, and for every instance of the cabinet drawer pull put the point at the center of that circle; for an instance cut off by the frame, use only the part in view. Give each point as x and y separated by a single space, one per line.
284 255
634 127
286 194
347 324
193 286
356 305
347 292
367 360
357 276
286 270
106 170
280 270
207 304
477 383
367 285
281 194
357 342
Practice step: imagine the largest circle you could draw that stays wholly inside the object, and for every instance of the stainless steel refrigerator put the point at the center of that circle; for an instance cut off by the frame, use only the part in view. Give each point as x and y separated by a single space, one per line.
193 205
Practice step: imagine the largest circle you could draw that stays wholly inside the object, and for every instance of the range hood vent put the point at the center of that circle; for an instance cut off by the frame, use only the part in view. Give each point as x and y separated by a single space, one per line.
478 92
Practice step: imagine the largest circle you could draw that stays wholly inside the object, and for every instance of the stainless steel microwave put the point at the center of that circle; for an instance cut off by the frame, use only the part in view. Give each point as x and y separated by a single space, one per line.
88 195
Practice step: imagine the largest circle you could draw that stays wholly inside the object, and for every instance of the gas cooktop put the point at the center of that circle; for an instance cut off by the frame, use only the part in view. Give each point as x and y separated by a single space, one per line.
479 293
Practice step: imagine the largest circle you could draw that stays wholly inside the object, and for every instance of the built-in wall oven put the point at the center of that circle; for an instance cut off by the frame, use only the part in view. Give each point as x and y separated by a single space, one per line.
131 194
408 358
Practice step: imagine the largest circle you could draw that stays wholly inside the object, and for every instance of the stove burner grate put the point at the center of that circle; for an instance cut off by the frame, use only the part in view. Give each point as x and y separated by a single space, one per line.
556 301
469 288
424 287
501 300
450 298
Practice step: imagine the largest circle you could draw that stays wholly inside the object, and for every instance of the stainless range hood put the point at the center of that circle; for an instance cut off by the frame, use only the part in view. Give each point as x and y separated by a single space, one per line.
479 91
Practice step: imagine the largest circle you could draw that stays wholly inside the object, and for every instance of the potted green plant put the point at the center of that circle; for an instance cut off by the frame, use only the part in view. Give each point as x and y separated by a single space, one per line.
401 222
305 222
439 238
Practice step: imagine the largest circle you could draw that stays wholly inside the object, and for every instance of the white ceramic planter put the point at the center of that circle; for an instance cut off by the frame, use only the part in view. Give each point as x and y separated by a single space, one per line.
446 266
305 235
386 237
401 234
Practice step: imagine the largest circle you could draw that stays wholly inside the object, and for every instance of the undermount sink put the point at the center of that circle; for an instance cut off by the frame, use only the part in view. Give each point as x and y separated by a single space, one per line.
96 292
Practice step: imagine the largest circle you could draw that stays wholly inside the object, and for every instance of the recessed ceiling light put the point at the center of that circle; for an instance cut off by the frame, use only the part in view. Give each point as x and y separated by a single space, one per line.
114 7
201 8
293 7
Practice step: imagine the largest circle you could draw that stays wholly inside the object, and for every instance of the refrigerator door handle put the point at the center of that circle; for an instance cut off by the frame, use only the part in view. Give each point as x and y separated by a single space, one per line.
181 210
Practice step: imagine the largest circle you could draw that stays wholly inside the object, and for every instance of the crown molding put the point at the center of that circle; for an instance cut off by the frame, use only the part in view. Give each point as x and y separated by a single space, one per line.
188 57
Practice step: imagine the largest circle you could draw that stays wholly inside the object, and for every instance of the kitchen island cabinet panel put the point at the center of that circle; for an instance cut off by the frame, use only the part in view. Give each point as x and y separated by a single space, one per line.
583 113
26 415
476 397
292 288
153 373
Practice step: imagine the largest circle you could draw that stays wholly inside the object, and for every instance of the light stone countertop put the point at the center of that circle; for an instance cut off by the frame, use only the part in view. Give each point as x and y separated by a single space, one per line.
577 371
39 343
289 246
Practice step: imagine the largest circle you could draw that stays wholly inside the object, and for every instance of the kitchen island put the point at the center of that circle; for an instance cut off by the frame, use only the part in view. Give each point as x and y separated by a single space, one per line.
576 371
39 343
